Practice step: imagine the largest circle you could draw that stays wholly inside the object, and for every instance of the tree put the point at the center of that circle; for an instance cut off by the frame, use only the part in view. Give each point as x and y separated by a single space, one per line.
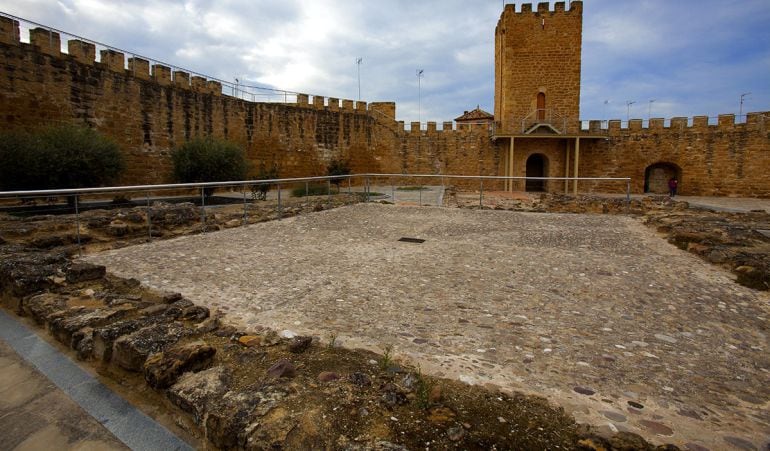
209 160
259 191
58 157
338 167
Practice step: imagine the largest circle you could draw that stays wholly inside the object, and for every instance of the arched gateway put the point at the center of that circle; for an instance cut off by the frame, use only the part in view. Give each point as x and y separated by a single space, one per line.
657 175
537 166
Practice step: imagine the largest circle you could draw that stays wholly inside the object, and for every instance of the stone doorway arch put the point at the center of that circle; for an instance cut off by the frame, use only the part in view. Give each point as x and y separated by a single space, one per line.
656 177
537 166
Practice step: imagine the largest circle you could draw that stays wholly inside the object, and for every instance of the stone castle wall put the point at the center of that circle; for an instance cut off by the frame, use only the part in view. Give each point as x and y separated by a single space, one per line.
149 109
726 159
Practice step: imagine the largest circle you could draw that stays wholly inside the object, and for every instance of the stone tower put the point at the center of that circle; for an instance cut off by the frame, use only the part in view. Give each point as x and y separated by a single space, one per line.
537 68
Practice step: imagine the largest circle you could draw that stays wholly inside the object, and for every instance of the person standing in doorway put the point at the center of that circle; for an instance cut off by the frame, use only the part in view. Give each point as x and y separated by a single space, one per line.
673 183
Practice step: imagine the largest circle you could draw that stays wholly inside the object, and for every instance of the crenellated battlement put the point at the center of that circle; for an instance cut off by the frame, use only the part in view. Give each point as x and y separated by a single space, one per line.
722 122
49 42
542 8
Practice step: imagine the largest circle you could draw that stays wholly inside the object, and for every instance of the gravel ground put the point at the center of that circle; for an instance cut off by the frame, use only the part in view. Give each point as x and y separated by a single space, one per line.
594 312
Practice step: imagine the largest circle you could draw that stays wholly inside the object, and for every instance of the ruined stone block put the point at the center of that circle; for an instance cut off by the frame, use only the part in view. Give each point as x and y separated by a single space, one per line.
64 328
334 104
22 275
81 272
41 306
162 369
104 337
318 102
195 393
229 417
131 351
302 99
347 105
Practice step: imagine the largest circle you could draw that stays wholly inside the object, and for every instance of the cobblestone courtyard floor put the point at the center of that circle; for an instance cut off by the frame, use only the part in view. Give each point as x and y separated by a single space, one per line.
594 312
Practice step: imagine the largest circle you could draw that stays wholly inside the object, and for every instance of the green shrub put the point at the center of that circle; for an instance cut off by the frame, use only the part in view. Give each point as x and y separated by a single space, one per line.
58 157
259 191
209 160
314 189
338 167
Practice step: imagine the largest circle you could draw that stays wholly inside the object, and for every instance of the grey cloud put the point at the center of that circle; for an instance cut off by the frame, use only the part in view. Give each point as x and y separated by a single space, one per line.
694 57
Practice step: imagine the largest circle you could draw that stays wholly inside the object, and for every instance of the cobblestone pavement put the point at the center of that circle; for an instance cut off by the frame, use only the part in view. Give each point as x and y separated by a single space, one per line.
594 312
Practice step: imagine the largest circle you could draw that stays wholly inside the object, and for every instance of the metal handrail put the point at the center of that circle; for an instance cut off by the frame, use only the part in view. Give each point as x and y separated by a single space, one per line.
75 192
124 188
548 118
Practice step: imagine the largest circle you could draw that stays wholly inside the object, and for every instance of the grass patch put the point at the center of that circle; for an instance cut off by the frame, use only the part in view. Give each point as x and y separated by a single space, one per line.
312 190
412 188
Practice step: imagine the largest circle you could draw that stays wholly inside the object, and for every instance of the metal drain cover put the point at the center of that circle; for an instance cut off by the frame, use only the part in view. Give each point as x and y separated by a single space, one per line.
411 240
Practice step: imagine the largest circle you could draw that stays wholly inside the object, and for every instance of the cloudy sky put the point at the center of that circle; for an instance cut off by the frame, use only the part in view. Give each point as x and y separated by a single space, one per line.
693 57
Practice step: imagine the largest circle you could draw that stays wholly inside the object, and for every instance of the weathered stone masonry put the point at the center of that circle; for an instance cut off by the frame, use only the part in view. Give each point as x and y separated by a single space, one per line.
537 98
149 109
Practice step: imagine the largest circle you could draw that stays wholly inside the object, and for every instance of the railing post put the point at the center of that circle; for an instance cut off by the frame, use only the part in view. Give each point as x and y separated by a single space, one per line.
203 209
419 190
350 191
280 207
329 191
149 218
392 191
481 193
244 204
628 193
307 194
367 189
77 226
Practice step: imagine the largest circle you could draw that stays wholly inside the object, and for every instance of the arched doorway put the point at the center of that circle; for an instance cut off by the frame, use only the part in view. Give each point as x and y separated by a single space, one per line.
540 106
537 166
657 175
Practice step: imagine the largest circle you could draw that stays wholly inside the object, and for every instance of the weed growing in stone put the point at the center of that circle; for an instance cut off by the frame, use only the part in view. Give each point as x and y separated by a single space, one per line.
387 357
423 389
